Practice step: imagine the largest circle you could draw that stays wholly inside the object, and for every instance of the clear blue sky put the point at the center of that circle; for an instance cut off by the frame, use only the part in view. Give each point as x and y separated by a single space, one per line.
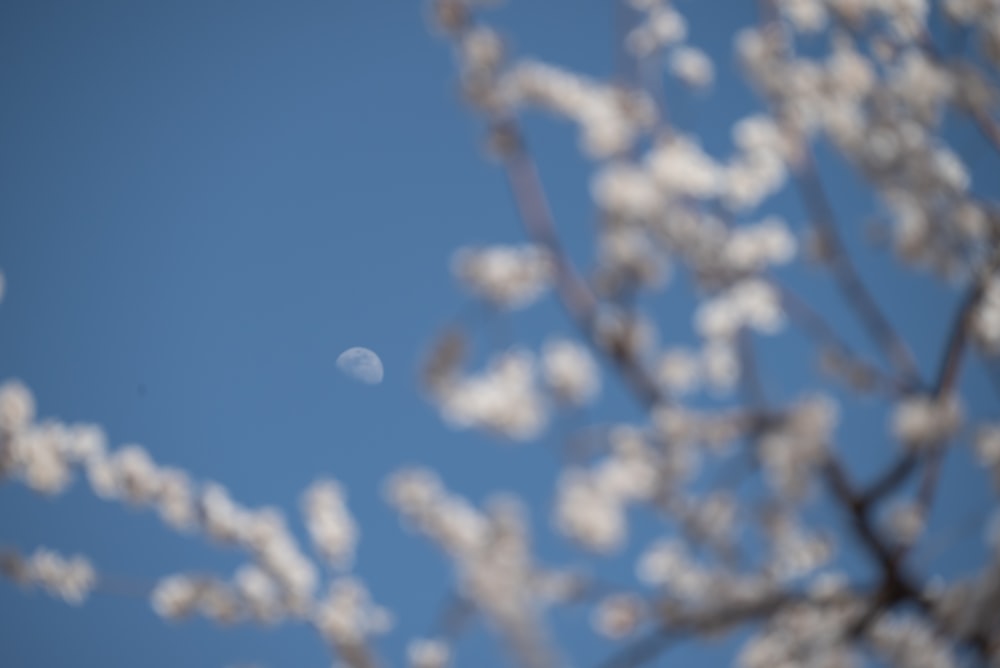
202 203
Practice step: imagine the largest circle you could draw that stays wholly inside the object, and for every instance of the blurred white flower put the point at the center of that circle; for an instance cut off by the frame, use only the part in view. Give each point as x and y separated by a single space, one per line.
428 653
510 277
331 526
679 371
921 421
906 522
71 579
504 399
570 371
692 66
618 616
346 616
17 406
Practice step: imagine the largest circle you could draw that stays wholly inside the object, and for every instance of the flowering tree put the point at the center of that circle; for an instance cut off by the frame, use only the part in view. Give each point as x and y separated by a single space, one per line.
766 533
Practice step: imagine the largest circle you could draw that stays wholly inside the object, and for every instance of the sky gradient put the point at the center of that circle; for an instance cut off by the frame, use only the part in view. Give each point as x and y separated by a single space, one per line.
202 204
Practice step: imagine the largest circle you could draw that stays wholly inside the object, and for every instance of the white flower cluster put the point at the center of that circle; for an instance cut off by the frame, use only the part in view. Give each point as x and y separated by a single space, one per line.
752 303
662 26
813 634
682 428
906 522
331 526
591 504
759 169
347 616
794 551
628 257
41 455
753 248
570 371
679 371
610 119
618 616
987 445
130 474
490 550
692 66
697 586
428 653
807 16
749 304
71 579
179 596
509 277
921 421
909 641
282 581
798 445
504 399
986 320
969 606
667 563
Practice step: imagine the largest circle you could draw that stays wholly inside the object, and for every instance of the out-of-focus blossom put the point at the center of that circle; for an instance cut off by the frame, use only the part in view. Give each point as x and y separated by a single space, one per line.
570 371
908 641
428 653
347 616
921 421
692 66
505 398
806 16
682 169
510 277
793 450
330 524
663 26
906 522
679 370
618 616
986 320
17 406
71 579
610 119
751 303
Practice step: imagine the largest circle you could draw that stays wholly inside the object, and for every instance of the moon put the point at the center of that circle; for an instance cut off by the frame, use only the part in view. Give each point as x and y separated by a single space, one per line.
361 364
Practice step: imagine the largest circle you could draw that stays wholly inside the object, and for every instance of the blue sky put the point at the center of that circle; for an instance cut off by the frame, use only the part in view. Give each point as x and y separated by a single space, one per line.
203 203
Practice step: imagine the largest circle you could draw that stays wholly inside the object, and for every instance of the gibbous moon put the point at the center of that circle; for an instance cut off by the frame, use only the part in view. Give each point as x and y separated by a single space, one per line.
361 364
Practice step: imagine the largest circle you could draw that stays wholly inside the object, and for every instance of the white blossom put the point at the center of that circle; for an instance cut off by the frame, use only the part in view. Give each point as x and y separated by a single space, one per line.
346 616
692 66
906 522
679 370
71 579
176 597
589 514
17 406
428 653
618 616
921 421
662 27
509 276
505 398
806 15
986 319
681 168
330 524
907 641
570 371
259 593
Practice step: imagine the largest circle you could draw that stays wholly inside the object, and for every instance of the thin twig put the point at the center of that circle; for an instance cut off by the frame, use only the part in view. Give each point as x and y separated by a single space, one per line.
846 275
575 295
